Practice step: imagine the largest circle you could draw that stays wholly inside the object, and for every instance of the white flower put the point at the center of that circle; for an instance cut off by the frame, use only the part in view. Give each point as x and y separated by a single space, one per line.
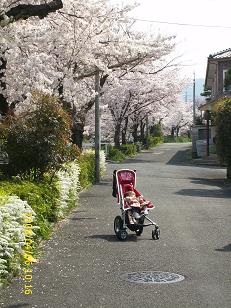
69 186
12 215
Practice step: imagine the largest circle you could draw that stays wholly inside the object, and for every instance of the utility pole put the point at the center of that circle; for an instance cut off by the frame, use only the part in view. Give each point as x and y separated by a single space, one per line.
97 128
194 100
207 131
194 133
186 96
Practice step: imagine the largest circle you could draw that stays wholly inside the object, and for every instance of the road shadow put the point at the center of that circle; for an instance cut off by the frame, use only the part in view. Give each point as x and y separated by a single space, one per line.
211 182
181 158
223 191
208 193
184 158
112 238
225 248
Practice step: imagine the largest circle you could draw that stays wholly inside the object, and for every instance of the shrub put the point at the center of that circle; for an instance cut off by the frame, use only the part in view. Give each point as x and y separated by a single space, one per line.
128 149
42 197
156 131
138 146
103 168
12 235
47 201
39 139
87 167
69 187
152 141
212 149
115 154
223 135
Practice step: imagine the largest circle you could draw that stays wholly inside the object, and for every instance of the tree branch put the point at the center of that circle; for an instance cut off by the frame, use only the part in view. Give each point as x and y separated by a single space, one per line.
25 11
113 66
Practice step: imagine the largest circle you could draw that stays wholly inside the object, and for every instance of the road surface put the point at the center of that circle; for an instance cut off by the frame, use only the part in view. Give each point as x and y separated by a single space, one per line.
83 264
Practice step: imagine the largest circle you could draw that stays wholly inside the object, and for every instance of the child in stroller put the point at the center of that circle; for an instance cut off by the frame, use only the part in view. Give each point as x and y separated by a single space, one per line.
136 202
133 206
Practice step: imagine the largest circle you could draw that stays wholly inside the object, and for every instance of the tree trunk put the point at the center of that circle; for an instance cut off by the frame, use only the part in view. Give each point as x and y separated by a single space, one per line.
117 135
77 134
142 132
78 120
124 131
135 133
123 135
172 131
4 107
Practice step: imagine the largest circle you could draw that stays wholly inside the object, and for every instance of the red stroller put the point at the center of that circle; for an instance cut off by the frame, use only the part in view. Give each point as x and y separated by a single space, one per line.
121 180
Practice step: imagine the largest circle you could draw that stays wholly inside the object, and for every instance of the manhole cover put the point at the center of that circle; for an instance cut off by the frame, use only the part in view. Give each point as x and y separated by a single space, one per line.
152 277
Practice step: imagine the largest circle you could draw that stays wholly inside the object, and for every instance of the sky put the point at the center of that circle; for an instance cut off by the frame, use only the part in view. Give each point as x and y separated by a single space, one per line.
194 43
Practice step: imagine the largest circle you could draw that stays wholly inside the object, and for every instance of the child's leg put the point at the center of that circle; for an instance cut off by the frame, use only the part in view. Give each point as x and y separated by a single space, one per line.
130 217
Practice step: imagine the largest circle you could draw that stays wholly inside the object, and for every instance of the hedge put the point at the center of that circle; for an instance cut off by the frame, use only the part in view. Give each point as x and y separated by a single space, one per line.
46 201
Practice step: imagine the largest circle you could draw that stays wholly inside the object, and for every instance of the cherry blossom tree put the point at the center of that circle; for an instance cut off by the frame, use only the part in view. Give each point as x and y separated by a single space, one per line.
10 12
134 97
179 118
61 53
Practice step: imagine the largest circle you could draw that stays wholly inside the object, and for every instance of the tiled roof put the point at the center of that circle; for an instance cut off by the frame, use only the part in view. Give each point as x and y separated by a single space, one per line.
221 54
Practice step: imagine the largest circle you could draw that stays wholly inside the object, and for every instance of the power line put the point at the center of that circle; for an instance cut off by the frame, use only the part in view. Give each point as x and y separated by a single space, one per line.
180 24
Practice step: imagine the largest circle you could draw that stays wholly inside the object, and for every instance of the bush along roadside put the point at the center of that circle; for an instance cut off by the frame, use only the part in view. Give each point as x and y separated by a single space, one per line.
35 206
125 151
130 150
14 214
152 141
115 154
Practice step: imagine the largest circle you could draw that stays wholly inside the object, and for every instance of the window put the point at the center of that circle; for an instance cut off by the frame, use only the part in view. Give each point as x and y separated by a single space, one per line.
227 81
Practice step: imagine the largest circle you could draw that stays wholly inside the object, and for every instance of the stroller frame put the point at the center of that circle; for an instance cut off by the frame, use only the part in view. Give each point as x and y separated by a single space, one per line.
121 223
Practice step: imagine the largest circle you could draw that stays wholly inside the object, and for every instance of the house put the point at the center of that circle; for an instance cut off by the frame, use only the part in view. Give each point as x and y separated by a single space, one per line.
217 68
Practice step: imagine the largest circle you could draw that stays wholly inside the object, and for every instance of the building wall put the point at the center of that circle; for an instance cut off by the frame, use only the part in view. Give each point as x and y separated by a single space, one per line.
214 87
200 133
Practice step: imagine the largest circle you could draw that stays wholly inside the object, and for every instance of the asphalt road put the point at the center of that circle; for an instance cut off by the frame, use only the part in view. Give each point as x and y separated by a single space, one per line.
83 263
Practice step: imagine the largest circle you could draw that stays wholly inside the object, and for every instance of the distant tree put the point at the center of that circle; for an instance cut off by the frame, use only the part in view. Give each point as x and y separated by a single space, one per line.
179 119
223 136
206 93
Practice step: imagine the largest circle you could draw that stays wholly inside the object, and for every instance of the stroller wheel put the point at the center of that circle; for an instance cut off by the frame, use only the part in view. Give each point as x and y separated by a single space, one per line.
118 224
156 233
120 232
122 235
